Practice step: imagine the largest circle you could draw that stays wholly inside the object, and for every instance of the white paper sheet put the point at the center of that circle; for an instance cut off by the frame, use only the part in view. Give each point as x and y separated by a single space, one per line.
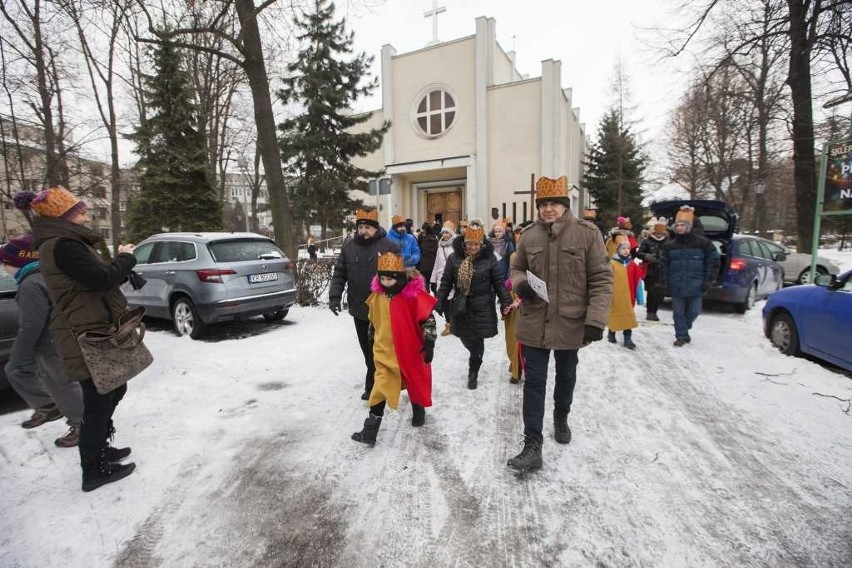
538 285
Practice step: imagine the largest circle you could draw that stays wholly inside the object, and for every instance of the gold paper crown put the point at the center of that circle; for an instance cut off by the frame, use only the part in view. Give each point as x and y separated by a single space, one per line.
686 213
546 187
474 235
390 262
660 225
590 213
397 219
361 215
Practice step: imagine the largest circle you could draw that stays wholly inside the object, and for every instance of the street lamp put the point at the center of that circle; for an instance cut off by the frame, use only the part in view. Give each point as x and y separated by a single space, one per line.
759 188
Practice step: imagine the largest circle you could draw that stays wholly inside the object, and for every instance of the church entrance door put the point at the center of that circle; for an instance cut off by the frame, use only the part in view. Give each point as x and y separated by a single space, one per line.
444 206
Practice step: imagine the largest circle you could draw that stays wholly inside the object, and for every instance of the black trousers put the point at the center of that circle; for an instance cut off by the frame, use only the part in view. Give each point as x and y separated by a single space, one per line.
653 295
535 386
362 326
97 416
476 347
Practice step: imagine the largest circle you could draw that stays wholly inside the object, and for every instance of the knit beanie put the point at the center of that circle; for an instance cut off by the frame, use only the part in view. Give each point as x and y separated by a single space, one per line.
18 251
55 201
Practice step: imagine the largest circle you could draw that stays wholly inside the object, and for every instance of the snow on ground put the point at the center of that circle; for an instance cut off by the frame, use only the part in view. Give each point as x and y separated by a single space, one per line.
723 452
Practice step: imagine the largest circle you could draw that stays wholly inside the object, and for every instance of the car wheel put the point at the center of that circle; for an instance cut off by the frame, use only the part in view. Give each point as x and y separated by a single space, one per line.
805 276
748 304
276 315
185 319
783 334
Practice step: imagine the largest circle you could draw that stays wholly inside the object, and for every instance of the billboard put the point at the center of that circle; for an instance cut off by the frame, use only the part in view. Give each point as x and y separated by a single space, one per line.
838 177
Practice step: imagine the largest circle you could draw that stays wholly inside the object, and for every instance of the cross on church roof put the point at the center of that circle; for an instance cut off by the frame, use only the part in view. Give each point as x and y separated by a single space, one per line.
433 13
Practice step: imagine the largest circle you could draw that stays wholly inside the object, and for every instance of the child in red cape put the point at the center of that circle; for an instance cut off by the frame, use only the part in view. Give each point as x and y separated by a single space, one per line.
403 329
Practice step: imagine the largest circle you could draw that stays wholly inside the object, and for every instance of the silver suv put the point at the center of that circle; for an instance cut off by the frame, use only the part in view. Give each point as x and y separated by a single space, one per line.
197 279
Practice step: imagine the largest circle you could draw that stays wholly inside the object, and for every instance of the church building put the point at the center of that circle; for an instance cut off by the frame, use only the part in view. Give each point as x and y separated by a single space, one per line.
470 134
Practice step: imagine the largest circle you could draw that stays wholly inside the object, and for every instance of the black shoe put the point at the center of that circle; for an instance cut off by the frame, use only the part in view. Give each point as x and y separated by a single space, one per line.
472 377
98 471
628 342
680 342
418 417
561 431
652 317
116 454
611 337
365 395
371 428
687 339
514 380
530 456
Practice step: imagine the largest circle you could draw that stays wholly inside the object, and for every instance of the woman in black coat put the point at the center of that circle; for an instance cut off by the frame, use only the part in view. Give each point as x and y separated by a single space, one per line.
428 242
473 272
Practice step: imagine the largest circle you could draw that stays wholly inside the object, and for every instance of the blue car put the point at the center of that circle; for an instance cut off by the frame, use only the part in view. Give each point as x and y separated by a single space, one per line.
748 270
815 319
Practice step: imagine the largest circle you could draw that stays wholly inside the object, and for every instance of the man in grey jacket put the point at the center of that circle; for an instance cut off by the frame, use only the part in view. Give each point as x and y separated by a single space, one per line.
569 257
34 369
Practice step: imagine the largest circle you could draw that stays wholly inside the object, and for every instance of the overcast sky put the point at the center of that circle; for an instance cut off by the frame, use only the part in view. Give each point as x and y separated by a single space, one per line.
589 38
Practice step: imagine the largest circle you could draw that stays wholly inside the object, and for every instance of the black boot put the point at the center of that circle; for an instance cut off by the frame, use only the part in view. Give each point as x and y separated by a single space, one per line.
418 416
610 337
97 470
628 339
530 456
114 454
472 377
371 428
561 431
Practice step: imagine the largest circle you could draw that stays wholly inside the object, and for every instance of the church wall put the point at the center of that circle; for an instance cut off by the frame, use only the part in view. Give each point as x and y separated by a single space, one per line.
514 144
503 67
450 64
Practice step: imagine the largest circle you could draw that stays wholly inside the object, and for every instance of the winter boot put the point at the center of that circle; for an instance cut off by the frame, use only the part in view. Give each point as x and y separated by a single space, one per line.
472 377
628 340
97 470
561 431
70 438
371 428
652 316
515 380
418 416
114 454
47 413
530 456
610 337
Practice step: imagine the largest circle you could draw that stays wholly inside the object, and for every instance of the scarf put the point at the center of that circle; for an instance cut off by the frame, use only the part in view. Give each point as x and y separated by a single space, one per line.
466 272
500 245
25 271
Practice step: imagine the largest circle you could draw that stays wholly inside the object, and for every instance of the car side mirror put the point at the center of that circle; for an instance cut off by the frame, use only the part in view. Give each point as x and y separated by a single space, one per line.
779 256
826 280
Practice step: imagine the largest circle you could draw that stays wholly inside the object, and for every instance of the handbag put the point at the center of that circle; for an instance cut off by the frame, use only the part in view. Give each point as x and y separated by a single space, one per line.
115 357
459 306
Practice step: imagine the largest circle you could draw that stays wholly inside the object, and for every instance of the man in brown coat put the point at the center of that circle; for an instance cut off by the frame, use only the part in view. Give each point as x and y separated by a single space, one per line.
569 256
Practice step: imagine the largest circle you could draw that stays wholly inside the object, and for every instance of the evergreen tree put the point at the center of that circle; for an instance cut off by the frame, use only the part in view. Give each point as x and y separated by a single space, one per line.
318 144
614 172
176 193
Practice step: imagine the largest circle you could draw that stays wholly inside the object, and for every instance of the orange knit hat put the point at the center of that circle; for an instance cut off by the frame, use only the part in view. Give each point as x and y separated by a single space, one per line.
58 202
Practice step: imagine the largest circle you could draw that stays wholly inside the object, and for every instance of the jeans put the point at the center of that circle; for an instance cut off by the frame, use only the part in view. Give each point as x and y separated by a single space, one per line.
97 416
362 327
685 310
535 386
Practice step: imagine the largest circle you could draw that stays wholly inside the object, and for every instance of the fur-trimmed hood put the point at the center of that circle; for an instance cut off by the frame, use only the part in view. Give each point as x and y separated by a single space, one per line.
414 286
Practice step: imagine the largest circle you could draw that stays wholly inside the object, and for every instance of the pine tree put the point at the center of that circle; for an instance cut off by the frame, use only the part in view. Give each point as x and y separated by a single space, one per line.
318 144
176 193
614 173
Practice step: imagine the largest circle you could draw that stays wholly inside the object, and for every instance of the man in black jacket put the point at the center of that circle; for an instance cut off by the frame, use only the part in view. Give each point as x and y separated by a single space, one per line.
356 267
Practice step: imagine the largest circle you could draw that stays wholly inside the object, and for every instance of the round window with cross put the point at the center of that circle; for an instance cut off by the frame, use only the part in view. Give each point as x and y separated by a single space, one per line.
435 112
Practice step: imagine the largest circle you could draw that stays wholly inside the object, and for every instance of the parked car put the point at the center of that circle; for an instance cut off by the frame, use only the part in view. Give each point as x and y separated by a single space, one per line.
8 322
797 265
748 269
815 319
198 279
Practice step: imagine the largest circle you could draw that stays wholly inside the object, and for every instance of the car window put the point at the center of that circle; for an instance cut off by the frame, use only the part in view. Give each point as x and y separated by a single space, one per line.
745 247
763 250
7 282
775 249
143 253
713 223
173 251
239 250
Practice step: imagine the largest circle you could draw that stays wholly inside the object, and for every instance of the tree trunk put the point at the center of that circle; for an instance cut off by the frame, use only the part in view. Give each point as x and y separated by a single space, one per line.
264 118
804 164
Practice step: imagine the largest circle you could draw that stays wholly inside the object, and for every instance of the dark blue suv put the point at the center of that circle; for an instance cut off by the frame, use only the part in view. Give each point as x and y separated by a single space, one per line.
748 269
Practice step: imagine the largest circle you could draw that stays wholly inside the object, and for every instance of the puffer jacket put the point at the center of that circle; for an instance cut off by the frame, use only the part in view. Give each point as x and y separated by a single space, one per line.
570 257
355 269
480 320
408 245
689 264
649 253
83 287
445 250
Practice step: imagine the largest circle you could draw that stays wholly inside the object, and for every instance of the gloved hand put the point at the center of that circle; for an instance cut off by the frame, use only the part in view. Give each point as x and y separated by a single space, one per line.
334 305
525 291
136 280
428 351
591 334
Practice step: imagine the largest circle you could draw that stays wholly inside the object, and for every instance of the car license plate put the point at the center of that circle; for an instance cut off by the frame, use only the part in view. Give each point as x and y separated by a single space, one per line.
265 277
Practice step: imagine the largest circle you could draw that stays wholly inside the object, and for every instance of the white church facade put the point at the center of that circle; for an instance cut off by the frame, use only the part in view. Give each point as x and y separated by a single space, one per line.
469 133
